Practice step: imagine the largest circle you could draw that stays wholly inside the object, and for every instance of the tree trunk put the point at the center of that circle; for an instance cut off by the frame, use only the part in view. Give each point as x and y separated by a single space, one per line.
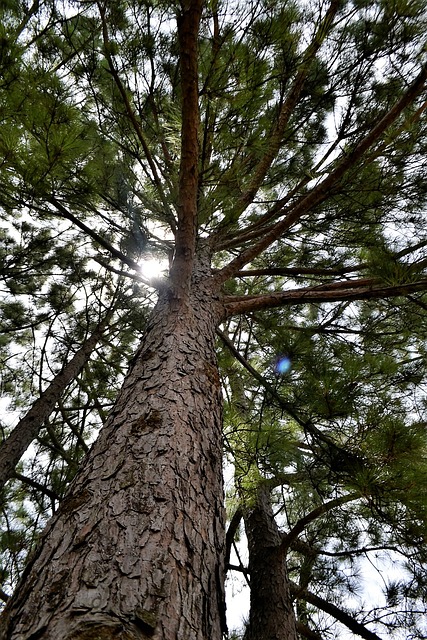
136 548
15 445
271 612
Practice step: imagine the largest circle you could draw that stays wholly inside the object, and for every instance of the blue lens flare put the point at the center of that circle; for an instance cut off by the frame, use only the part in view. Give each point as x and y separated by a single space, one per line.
282 365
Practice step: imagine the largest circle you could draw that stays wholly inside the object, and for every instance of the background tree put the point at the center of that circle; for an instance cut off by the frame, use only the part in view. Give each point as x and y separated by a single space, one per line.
273 154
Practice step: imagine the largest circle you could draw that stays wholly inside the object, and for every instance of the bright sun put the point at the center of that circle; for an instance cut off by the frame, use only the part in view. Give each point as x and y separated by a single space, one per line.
153 268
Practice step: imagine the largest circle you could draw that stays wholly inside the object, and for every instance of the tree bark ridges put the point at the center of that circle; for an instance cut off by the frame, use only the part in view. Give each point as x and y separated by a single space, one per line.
140 477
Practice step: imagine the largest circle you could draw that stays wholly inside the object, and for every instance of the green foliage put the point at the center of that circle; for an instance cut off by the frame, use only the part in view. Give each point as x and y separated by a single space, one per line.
90 149
343 419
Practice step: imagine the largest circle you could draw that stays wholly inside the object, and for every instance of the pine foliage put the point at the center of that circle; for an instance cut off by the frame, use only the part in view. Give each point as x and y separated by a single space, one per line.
312 195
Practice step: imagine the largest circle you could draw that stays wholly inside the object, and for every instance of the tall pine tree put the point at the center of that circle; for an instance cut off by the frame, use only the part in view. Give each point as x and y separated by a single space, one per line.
272 153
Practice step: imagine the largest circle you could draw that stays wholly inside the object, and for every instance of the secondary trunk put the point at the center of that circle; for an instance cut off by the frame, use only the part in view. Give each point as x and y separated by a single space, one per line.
15 445
271 613
136 549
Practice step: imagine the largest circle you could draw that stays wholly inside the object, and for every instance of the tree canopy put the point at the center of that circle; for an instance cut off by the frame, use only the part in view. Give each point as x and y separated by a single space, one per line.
287 141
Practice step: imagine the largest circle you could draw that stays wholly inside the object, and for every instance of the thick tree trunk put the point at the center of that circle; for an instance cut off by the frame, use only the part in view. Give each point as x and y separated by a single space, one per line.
271 612
136 549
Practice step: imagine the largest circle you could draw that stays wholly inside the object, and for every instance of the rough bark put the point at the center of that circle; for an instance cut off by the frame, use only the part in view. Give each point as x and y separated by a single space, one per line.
136 549
27 429
271 613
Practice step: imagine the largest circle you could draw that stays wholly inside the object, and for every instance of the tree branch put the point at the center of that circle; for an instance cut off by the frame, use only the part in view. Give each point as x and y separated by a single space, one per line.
349 290
129 110
322 191
231 532
276 136
313 515
308 550
307 425
299 271
307 632
334 611
155 283
36 485
282 403
63 211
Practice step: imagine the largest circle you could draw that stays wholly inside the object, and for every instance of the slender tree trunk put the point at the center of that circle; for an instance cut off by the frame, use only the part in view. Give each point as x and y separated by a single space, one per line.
14 446
136 549
271 612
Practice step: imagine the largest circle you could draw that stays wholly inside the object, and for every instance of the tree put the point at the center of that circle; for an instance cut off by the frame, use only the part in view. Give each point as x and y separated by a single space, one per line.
273 152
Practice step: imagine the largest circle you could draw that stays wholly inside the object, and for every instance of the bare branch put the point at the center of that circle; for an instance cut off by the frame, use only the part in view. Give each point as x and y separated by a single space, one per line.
313 515
348 290
337 613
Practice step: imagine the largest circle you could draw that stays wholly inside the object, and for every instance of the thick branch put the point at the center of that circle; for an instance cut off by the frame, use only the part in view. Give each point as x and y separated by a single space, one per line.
264 223
334 611
188 31
299 271
313 515
27 429
363 289
322 191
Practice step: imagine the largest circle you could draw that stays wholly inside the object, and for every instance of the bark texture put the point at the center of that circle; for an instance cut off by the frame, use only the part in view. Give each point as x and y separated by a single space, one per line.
271 613
136 549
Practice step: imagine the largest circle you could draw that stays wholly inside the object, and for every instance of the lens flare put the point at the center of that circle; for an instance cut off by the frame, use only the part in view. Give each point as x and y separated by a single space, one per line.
282 365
